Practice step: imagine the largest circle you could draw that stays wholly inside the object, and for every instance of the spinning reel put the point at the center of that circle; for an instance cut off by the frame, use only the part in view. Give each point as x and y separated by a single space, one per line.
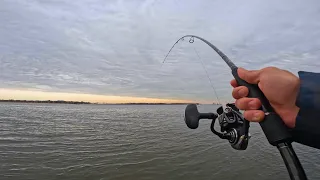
233 126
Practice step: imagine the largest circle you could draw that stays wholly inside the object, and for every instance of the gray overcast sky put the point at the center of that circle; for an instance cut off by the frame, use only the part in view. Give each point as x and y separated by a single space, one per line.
116 47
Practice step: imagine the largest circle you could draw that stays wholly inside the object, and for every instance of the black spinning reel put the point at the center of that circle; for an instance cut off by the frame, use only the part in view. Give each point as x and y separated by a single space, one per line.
233 126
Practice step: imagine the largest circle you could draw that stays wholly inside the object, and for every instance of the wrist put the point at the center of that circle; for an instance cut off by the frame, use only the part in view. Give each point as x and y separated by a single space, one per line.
289 116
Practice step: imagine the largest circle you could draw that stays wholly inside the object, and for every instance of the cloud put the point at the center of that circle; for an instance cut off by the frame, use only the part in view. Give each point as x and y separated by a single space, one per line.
116 47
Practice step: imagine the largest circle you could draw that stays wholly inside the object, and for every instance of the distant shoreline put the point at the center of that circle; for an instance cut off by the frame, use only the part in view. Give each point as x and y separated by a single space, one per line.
82 102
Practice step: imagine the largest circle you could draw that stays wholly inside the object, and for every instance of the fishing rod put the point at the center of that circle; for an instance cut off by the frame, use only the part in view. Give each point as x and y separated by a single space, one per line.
235 128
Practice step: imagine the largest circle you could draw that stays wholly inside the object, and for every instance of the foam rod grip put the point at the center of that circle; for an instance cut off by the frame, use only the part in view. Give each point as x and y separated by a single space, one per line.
272 125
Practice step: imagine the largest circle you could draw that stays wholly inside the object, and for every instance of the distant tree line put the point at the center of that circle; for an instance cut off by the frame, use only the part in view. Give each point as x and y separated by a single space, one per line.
82 102
45 101
154 103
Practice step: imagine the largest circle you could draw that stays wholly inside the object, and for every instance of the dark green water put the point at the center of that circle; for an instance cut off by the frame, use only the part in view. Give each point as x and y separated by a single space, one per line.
80 142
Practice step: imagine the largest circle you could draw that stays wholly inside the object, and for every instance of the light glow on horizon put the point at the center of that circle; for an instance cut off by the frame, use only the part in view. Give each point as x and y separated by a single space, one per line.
18 94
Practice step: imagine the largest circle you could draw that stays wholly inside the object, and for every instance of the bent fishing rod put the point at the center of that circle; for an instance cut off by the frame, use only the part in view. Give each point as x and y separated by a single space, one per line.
234 127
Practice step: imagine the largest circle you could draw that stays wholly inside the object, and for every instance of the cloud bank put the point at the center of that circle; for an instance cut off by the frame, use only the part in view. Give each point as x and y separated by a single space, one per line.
117 47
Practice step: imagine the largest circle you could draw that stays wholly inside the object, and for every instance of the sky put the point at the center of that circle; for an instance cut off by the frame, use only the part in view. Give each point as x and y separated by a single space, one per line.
112 51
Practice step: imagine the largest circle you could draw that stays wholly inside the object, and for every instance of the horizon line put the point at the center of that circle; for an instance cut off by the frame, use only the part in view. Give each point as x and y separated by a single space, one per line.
85 102
34 94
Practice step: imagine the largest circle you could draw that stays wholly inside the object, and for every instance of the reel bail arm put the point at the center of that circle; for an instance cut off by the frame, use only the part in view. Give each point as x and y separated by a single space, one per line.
234 127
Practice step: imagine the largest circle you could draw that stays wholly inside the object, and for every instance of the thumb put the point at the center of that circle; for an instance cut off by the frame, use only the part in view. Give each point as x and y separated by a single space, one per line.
252 76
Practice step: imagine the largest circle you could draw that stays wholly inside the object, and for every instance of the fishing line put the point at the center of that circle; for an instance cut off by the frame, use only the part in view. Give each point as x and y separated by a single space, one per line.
181 39
191 40
205 69
221 54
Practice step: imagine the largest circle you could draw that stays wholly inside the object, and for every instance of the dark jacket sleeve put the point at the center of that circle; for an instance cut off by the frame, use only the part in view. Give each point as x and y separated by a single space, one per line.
307 129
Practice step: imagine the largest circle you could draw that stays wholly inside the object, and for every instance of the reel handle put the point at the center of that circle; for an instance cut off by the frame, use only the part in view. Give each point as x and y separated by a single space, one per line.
272 125
192 116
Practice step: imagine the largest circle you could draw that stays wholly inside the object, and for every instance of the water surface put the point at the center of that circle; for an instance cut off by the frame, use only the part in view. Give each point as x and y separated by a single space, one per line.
118 142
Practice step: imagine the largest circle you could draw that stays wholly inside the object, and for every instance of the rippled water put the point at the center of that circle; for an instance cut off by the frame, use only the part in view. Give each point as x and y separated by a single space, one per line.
42 141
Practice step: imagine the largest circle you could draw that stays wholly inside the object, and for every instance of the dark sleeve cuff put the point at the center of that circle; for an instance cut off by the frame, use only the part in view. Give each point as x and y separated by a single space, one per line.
309 94
307 128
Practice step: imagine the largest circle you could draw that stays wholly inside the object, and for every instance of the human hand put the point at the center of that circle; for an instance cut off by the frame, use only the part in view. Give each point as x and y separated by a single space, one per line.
279 86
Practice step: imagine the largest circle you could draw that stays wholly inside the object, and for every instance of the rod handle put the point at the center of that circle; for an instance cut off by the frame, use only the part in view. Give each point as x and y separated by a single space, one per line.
273 126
